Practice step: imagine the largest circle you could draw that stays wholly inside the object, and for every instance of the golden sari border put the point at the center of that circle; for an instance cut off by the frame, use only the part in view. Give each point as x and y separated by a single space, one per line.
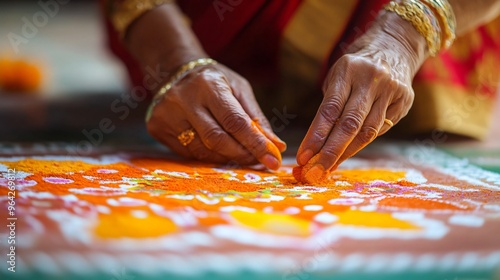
448 108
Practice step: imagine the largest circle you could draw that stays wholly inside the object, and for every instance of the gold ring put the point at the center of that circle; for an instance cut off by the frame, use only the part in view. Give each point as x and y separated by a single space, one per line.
389 122
186 137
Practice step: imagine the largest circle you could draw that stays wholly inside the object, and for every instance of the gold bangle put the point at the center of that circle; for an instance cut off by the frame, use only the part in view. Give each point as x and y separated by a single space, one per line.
416 15
432 19
447 20
123 13
179 74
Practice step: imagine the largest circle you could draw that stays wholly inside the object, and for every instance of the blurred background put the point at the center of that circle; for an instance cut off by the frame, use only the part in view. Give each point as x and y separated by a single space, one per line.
57 77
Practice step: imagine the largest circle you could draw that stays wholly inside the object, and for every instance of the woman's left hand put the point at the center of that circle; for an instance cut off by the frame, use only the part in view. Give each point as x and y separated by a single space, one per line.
369 84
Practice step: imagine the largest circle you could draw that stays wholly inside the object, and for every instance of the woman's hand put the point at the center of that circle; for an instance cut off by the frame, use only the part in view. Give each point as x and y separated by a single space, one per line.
215 102
369 84
220 106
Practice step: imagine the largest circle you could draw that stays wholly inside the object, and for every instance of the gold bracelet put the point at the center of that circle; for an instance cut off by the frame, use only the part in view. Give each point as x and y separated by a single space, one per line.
179 74
415 14
432 19
447 20
123 13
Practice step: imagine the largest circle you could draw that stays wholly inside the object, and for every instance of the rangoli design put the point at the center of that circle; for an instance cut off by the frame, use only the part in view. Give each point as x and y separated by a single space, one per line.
152 214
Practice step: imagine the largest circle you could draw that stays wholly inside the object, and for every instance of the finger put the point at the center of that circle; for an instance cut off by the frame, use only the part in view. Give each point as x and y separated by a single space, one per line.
195 150
329 111
392 115
369 131
251 106
167 127
196 147
217 140
267 131
202 153
398 109
236 122
349 125
160 127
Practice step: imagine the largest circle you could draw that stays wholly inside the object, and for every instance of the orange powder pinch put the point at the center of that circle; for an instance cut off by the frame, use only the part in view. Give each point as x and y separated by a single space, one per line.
310 173
271 145
278 143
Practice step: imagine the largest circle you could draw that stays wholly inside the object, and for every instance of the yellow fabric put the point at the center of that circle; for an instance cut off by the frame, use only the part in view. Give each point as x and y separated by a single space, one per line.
455 92
448 108
312 33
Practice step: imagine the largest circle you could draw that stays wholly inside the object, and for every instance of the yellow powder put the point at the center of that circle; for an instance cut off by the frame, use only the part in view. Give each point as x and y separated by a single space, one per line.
118 225
274 223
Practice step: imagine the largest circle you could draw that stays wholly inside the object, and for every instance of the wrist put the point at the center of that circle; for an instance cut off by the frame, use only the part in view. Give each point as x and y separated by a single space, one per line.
413 44
161 40
169 62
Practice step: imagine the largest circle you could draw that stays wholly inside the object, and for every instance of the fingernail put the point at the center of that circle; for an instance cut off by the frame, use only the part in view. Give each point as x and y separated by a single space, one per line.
270 162
314 175
305 156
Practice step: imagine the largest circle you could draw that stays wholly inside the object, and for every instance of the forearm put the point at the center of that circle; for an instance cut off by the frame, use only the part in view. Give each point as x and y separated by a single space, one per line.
471 14
160 37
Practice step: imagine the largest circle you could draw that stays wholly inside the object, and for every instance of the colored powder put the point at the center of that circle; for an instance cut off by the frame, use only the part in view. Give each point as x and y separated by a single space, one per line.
372 219
418 203
297 173
49 167
311 173
303 174
275 203
274 223
125 225
369 175
212 221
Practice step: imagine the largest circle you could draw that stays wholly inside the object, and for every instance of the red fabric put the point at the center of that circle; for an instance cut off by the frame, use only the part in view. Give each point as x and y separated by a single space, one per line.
472 71
245 37
116 46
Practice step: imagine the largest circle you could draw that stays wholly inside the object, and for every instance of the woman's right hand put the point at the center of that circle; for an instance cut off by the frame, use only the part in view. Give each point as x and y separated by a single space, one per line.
214 101
228 123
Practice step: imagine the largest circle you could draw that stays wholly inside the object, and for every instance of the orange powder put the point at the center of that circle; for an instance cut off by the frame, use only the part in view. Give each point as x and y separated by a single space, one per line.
418 203
372 219
311 173
370 175
315 174
49 166
297 173
280 205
